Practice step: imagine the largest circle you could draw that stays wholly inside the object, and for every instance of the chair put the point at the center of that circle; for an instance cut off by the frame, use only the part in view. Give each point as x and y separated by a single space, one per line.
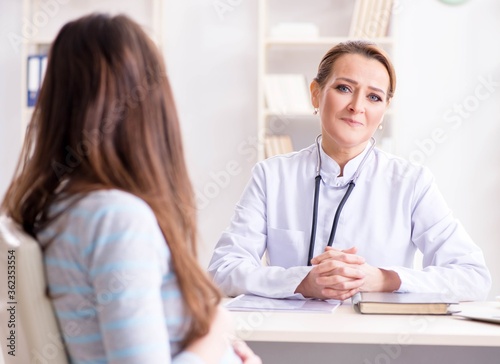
37 335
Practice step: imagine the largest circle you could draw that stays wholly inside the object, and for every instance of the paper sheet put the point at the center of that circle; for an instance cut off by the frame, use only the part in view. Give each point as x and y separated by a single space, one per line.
255 303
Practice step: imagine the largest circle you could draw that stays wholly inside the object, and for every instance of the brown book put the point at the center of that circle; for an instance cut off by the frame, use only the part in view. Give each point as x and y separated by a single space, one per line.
403 303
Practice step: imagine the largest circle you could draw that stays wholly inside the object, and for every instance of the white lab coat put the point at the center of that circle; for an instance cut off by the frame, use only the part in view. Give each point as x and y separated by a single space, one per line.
394 209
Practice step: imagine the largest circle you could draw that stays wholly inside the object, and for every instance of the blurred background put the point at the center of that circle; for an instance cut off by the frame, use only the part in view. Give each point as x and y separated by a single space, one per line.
445 113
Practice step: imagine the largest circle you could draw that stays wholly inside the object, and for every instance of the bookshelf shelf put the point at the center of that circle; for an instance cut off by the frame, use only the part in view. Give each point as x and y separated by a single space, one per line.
147 13
292 38
268 113
322 41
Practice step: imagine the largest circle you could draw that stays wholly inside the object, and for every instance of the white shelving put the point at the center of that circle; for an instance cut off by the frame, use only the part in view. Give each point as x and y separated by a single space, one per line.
43 20
297 54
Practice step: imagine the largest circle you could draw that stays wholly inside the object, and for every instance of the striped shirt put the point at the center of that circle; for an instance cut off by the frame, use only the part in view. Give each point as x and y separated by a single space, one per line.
111 282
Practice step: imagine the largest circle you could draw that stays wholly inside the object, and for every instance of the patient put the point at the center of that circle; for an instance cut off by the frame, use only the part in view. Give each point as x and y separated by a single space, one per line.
102 184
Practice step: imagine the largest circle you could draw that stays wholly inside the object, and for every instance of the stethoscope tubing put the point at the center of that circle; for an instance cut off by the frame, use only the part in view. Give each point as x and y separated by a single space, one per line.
318 179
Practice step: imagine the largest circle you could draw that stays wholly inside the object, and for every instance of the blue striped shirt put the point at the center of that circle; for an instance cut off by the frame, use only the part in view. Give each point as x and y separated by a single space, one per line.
112 284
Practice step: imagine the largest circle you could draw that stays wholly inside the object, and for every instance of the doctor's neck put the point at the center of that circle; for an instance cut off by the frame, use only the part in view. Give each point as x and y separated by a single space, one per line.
342 155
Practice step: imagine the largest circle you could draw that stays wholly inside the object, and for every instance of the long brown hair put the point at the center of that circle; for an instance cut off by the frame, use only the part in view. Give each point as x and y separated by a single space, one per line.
364 48
106 119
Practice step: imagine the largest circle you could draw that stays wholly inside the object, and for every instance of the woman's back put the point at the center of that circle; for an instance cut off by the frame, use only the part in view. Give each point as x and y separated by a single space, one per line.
111 281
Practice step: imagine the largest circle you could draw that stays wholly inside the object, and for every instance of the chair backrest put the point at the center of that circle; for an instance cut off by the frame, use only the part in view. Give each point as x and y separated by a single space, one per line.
33 336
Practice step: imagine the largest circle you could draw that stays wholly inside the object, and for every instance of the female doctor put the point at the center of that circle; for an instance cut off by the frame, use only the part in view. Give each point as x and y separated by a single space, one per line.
342 216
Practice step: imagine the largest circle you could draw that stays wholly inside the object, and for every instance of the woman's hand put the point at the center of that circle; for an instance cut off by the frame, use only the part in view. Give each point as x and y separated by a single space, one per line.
246 354
335 275
215 343
212 347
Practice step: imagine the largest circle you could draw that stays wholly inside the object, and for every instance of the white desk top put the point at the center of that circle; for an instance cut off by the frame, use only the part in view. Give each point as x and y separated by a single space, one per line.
344 325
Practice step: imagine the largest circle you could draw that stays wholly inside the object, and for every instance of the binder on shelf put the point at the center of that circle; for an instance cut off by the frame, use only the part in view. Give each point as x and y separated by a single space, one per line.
43 67
356 18
385 18
278 144
371 18
33 79
287 94
37 64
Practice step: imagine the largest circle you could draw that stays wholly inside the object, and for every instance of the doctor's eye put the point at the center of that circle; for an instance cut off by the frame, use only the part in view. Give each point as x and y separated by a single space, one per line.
343 88
375 98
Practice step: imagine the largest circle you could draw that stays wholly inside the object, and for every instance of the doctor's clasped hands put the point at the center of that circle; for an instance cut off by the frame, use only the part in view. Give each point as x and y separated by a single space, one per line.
340 274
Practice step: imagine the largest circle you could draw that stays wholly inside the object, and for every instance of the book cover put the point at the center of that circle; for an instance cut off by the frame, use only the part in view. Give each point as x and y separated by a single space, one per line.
403 303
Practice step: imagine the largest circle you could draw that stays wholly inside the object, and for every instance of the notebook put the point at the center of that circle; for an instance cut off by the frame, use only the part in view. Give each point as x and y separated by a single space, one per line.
403 303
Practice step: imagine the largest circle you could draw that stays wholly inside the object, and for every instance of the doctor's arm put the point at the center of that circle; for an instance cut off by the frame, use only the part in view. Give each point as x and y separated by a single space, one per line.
236 264
452 263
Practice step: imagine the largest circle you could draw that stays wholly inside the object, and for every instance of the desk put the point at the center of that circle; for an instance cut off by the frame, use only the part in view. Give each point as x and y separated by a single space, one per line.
349 337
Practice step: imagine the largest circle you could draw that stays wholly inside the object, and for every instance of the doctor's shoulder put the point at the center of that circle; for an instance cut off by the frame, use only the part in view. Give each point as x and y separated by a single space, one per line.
398 168
289 162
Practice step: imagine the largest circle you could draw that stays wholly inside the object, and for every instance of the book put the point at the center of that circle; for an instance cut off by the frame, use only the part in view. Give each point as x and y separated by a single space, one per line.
277 144
385 18
246 302
403 303
286 144
371 18
356 18
287 94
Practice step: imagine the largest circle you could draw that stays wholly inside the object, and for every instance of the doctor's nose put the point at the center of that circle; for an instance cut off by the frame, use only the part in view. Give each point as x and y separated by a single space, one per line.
356 105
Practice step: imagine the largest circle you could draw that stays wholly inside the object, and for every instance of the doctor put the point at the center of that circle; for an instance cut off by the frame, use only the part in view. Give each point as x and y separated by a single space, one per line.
342 216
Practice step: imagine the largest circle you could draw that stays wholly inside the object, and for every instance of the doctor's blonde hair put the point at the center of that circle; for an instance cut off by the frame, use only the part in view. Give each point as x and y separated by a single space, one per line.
106 119
364 48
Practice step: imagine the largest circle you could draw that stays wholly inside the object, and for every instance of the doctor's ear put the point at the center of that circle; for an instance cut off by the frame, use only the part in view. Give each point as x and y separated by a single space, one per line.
315 92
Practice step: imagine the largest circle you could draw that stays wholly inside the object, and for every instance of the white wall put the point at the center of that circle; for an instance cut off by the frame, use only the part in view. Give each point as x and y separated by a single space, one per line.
448 119
212 64
442 52
10 91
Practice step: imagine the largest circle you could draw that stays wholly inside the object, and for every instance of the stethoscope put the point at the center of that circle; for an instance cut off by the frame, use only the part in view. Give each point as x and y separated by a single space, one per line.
350 187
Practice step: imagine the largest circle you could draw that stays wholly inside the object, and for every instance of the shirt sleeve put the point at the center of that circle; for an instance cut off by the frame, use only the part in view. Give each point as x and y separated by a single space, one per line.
236 264
452 263
187 357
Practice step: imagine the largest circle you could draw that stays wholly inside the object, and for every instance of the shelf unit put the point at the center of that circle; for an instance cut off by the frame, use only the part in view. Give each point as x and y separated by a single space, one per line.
45 19
301 55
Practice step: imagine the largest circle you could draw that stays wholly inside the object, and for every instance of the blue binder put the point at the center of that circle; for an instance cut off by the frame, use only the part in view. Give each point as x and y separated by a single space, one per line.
36 70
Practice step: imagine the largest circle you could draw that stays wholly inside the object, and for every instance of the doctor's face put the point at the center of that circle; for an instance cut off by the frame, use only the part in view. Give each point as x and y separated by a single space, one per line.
352 103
